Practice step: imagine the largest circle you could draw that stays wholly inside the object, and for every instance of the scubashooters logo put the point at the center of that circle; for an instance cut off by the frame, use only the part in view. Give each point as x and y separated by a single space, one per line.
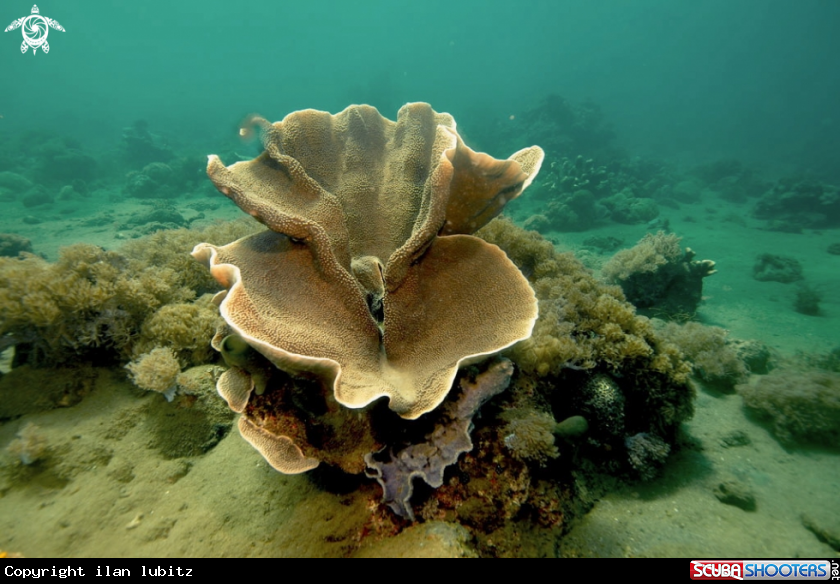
761 570
35 29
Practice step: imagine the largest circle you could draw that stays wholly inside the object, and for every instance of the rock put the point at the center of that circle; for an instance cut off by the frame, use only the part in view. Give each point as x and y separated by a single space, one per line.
37 196
11 245
755 355
603 244
536 223
735 493
777 268
164 215
15 183
735 438
687 191
68 193
435 539
827 529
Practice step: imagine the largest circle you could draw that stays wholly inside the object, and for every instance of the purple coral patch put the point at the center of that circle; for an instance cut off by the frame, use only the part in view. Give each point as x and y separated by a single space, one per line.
442 446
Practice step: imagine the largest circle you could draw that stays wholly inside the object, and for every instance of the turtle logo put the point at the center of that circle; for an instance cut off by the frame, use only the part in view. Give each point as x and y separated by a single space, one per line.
35 29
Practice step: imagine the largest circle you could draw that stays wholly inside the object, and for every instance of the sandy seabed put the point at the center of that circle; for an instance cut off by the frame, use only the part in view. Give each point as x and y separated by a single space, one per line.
108 488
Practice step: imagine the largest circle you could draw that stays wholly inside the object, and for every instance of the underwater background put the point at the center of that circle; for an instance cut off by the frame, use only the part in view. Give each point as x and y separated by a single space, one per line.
711 126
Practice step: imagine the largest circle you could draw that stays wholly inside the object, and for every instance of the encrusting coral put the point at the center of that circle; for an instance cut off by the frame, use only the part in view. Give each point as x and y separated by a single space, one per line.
367 276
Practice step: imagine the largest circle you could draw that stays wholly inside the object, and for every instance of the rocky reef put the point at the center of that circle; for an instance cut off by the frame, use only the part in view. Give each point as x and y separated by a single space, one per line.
580 194
793 204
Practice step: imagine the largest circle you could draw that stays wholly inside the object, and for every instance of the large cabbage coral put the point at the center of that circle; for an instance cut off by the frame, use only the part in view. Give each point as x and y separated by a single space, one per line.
368 277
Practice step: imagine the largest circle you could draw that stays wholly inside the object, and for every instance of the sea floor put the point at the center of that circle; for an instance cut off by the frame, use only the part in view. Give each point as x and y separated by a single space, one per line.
111 490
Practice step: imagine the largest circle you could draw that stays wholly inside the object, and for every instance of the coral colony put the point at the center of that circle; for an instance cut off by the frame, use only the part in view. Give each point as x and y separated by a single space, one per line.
369 284
368 237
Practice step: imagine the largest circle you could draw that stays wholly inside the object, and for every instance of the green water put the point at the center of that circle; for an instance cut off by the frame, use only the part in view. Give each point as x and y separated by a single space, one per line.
748 78
667 86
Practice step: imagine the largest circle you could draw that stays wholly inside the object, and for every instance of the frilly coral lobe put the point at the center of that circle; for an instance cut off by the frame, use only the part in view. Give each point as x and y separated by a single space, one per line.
368 278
